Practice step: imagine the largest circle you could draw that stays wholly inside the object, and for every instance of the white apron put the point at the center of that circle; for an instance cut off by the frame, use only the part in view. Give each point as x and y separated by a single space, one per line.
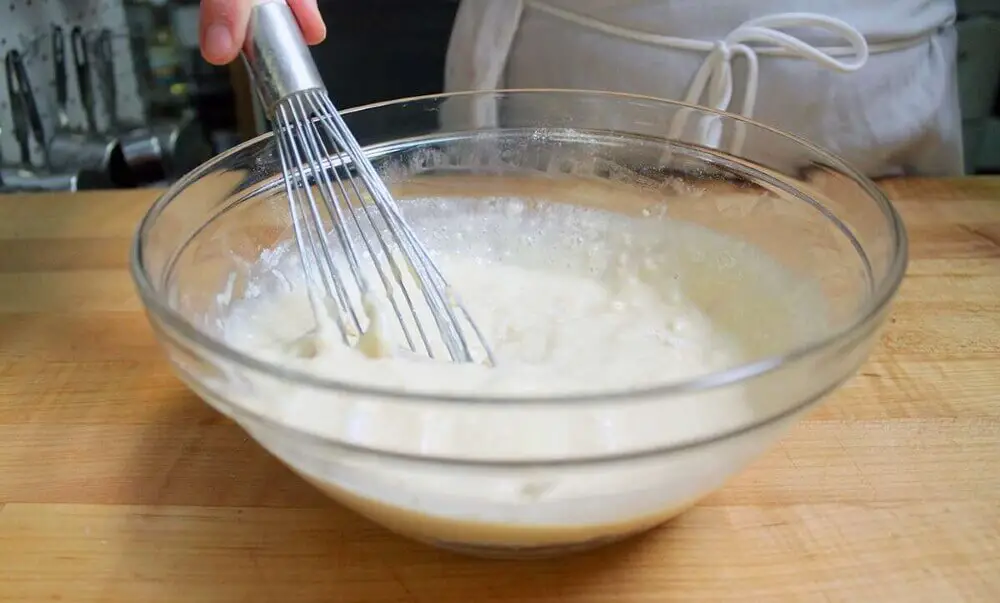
873 81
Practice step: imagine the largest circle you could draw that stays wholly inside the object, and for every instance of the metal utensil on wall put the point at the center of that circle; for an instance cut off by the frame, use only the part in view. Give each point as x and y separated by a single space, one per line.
24 177
141 147
182 142
17 113
185 144
87 149
12 175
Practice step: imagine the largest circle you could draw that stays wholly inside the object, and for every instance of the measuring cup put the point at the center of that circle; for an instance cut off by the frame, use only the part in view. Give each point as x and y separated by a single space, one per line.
88 149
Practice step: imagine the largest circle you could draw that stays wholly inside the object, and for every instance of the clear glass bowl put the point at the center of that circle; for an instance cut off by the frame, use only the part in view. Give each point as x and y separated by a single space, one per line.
825 224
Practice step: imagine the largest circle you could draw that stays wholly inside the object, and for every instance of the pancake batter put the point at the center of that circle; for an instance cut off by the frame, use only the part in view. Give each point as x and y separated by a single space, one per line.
572 301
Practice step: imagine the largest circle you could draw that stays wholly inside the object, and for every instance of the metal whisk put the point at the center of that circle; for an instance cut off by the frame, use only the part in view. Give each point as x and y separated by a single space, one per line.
322 166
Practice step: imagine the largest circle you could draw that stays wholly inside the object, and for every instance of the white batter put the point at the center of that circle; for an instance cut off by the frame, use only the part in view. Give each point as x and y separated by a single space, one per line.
572 300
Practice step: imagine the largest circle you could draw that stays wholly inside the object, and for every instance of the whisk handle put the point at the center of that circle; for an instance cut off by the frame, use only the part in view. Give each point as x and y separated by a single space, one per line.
277 55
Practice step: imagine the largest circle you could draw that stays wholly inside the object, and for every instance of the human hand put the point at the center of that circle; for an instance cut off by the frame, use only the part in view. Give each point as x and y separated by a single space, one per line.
223 26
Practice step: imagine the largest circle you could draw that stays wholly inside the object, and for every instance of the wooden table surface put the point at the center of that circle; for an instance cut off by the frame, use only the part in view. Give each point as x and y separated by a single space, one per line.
118 485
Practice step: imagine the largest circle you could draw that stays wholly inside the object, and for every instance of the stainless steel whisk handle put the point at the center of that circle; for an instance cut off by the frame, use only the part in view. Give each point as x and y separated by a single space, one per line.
277 55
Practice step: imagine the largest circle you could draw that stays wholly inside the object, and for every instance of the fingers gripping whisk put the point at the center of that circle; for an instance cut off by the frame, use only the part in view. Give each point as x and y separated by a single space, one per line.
348 228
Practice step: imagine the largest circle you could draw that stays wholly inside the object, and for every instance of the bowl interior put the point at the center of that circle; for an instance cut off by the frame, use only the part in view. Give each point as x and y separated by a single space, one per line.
837 243
828 275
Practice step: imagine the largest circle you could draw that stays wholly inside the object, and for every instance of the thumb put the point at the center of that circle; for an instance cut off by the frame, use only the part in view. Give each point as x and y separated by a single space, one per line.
223 28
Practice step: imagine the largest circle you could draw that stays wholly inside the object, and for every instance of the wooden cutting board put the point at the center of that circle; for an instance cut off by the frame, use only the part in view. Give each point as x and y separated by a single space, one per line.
118 485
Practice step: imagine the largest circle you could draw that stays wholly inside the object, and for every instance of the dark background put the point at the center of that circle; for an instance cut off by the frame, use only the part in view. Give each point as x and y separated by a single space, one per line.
384 49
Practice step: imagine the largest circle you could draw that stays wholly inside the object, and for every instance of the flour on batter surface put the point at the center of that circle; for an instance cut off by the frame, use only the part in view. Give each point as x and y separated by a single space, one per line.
572 300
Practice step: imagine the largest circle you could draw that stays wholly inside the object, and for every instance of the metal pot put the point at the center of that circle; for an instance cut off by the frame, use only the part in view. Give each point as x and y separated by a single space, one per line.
185 143
141 147
88 149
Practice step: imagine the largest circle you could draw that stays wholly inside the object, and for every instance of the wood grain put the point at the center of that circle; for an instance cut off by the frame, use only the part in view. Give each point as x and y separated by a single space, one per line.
118 485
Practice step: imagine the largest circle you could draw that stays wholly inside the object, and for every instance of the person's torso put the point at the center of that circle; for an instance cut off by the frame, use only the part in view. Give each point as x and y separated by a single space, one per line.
655 48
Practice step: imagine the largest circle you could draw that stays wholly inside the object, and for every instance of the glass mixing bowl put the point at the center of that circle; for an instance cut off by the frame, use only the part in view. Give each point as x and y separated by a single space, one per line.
826 227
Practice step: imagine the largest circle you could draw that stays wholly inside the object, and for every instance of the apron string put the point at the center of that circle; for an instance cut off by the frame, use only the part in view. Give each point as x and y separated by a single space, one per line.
712 85
778 20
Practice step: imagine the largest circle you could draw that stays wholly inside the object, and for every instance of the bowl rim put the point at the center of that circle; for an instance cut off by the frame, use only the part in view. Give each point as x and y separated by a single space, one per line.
882 295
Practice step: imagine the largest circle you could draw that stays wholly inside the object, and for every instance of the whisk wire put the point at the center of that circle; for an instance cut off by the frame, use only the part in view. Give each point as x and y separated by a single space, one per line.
317 250
307 140
322 164
393 267
437 293
431 296
401 235
304 239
